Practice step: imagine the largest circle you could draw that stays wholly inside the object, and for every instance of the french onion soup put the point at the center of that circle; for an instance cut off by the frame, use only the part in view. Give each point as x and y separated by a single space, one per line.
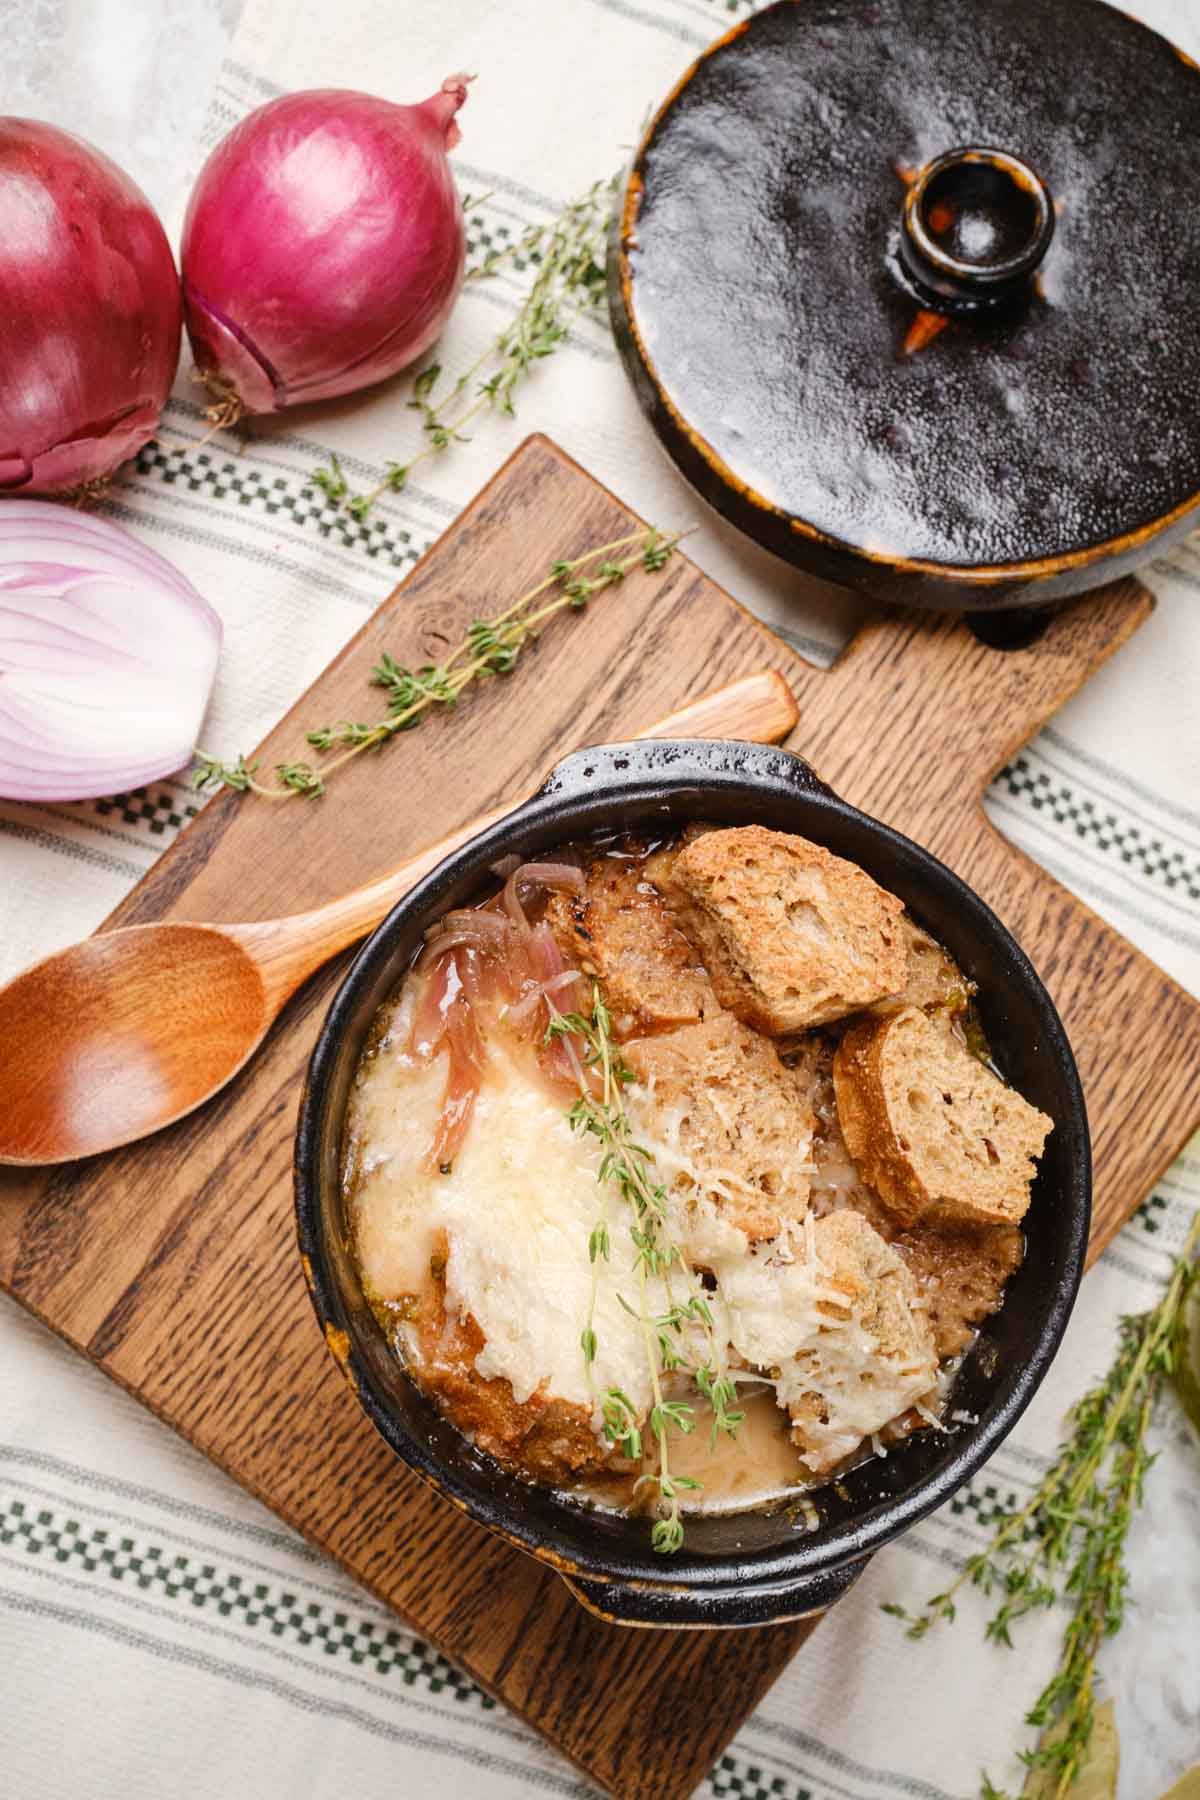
678 1173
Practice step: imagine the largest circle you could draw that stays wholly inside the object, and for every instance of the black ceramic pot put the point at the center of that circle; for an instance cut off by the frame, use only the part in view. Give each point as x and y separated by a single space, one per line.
748 1568
905 289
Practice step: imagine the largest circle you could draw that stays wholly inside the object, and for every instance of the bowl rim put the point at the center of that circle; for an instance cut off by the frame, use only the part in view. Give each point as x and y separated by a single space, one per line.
654 767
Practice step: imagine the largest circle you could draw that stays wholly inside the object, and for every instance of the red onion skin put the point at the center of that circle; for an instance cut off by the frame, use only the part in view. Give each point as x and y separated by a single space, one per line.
89 312
324 245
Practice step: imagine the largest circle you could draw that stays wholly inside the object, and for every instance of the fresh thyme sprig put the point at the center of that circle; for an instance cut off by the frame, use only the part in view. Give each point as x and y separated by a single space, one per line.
490 647
567 256
626 1165
1069 1540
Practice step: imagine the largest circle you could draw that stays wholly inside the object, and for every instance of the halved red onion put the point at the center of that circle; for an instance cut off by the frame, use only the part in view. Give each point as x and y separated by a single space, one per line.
107 657
89 312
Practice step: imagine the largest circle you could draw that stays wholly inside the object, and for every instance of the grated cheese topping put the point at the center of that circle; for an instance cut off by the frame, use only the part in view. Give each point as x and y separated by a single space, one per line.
690 1159
515 1213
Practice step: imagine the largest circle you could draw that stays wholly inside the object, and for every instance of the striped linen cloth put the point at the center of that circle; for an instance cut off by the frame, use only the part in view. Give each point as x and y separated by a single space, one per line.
159 1631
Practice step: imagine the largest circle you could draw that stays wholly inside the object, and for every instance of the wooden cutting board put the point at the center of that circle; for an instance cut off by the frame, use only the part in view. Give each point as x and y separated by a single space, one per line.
172 1264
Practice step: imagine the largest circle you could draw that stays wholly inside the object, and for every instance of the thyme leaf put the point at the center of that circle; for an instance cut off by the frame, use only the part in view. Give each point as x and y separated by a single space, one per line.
490 647
332 481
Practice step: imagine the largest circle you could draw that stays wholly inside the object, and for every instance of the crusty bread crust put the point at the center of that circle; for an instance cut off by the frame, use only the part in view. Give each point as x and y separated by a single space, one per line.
791 935
545 1438
935 1133
739 1115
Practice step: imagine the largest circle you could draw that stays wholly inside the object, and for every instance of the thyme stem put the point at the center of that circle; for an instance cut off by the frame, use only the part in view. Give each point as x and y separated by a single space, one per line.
490 647
567 255
626 1165
1069 1540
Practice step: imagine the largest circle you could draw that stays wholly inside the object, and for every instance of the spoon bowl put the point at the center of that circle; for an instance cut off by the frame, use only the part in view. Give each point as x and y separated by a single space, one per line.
122 1034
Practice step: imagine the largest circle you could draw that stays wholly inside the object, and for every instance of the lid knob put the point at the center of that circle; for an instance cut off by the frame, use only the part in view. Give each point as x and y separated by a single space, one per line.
976 224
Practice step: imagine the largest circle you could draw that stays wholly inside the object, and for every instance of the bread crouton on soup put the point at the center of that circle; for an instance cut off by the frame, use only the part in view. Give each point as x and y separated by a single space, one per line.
960 1272
791 935
838 1394
933 1131
622 931
547 1438
933 980
726 1119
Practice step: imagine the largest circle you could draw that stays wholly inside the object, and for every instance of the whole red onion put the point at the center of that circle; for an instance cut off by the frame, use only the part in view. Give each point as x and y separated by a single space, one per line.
89 312
323 247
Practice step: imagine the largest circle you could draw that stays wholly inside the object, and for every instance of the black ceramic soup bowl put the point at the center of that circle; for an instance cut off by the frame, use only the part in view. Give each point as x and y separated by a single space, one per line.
747 1568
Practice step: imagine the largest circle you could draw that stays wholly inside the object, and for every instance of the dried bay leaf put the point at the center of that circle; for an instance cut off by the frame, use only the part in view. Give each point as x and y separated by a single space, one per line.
1187 1357
1097 1777
1187 1787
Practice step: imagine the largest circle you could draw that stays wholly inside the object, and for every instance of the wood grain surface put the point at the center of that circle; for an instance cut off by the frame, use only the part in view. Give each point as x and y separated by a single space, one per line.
131 1029
172 1264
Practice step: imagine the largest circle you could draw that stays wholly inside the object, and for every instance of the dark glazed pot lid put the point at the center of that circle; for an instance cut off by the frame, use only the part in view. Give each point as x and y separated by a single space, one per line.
771 298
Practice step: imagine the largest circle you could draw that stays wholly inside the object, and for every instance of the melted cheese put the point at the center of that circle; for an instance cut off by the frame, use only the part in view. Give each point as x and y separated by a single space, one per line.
517 1210
395 1113
782 1313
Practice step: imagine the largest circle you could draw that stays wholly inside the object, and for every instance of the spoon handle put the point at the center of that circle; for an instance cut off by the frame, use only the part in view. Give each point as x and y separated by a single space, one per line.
758 709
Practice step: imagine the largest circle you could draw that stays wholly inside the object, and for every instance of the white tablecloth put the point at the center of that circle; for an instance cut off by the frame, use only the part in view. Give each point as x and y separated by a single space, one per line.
159 1632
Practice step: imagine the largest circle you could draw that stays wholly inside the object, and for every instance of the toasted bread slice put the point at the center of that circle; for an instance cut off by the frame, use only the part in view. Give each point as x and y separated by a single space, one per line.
622 931
875 1281
960 1272
791 935
838 1395
933 981
725 1119
936 1134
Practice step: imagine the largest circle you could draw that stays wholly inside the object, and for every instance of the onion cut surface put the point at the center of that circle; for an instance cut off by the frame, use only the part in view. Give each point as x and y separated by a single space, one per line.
107 657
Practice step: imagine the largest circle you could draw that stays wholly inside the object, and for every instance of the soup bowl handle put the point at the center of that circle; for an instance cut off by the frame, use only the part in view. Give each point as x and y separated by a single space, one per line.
604 772
654 1606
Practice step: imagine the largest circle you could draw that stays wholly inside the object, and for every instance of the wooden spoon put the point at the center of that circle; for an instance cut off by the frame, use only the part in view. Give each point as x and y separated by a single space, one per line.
126 1032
